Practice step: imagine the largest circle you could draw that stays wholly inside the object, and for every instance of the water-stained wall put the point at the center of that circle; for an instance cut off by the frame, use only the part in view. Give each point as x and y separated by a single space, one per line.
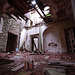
54 36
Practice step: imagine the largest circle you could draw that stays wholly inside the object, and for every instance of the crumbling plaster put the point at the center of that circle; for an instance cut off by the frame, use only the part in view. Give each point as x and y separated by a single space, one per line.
56 34
52 31
60 9
56 28
34 31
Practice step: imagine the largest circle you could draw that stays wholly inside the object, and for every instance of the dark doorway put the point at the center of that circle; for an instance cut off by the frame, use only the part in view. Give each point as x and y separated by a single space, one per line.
11 42
70 39
35 43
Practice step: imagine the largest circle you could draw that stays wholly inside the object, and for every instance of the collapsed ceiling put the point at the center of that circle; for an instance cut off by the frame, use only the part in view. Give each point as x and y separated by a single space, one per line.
60 9
21 7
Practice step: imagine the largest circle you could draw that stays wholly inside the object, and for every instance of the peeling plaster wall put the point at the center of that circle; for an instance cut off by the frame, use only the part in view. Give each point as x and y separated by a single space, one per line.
53 32
60 9
34 31
52 35
56 34
23 37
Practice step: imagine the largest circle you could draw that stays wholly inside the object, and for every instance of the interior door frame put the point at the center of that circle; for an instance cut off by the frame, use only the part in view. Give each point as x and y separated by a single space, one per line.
32 37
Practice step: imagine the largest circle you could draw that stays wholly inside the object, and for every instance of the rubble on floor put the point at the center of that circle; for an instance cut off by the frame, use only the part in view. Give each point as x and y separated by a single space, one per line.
23 60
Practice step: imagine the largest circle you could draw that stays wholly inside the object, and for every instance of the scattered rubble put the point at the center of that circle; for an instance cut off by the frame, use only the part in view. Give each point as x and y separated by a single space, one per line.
40 61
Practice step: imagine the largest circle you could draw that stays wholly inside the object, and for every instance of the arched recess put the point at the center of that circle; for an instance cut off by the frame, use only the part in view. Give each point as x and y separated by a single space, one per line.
51 40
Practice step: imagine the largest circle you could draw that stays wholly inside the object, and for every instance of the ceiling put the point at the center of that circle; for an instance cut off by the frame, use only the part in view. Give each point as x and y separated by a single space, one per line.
60 9
20 7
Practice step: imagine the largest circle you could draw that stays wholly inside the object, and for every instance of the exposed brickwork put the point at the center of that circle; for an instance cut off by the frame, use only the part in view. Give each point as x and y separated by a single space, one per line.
3 41
11 26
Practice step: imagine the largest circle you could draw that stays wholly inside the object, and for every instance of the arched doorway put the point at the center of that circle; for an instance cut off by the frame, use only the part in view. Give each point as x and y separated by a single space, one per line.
51 40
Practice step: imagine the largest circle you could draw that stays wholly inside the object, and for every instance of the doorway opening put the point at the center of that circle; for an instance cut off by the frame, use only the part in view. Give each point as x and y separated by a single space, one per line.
70 40
11 42
35 43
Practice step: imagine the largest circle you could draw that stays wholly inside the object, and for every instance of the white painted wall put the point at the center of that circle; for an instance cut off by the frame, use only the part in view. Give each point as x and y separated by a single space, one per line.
33 31
56 33
52 35
36 43
23 37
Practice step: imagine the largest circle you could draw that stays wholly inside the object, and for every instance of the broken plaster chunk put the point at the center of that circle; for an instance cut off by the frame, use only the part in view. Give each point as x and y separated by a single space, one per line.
43 62
9 53
36 63
46 57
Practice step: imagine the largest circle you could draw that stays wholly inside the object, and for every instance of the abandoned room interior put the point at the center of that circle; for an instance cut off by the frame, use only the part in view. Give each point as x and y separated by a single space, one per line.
37 37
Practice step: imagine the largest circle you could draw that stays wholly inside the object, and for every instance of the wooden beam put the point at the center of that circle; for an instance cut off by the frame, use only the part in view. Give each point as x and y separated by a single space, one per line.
10 16
21 14
18 67
16 16
40 4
